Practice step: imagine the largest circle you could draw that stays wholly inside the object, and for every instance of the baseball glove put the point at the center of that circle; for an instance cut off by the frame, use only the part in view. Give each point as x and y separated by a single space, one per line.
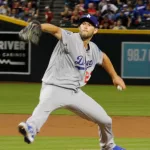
31 33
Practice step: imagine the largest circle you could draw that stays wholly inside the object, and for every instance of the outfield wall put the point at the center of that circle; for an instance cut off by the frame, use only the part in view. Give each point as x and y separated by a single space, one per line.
128 50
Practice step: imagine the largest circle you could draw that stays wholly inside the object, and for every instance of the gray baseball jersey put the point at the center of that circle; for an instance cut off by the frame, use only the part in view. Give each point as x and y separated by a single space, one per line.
71 64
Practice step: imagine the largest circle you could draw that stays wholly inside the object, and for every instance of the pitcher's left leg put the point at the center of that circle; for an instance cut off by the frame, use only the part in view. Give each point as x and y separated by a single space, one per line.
86 107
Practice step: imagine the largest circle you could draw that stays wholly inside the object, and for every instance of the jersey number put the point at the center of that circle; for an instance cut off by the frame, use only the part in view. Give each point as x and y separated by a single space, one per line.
87 77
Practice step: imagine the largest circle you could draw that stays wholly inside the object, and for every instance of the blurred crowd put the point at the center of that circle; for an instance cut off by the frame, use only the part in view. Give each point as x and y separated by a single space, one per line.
112 14
22 9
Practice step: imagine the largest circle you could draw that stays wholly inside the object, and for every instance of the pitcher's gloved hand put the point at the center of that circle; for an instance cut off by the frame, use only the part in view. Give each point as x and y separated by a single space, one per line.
32 32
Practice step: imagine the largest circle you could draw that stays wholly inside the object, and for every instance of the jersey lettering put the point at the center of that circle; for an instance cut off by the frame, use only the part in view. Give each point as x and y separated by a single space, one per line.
82 64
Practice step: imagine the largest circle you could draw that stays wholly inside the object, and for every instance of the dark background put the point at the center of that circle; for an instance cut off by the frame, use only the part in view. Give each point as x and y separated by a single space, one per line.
108 43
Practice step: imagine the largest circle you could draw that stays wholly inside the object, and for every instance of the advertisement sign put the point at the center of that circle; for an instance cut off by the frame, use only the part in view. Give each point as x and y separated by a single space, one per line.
15 55
135 60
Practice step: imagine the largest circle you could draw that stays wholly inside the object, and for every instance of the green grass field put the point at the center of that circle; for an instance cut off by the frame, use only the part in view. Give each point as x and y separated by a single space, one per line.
69 143
22 99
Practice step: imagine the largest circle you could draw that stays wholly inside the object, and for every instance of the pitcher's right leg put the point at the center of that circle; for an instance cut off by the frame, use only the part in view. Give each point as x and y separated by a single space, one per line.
40 114
50 100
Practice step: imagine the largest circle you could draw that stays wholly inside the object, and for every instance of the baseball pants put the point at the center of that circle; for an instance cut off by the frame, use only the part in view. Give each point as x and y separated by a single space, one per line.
54 97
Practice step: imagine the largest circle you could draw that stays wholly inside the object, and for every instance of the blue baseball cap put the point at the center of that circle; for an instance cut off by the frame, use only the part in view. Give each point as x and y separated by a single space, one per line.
91 19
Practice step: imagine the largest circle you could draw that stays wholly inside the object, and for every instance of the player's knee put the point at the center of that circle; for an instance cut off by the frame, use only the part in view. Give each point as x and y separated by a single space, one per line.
109 121
106 121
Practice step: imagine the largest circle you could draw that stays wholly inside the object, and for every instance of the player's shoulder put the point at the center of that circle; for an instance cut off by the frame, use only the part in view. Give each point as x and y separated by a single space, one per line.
95 49
67 32
94 46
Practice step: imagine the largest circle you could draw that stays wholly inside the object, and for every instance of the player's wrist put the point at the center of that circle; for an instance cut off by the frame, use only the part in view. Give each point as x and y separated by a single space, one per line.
114 75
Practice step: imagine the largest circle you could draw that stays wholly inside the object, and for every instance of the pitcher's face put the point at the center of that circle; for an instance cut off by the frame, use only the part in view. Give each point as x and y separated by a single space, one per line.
87 30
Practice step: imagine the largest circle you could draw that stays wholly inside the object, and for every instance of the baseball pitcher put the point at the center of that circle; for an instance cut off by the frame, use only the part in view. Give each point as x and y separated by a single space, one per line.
70 68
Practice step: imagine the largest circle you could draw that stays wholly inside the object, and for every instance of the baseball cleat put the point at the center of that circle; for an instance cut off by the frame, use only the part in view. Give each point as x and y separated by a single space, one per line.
27 131
118 148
